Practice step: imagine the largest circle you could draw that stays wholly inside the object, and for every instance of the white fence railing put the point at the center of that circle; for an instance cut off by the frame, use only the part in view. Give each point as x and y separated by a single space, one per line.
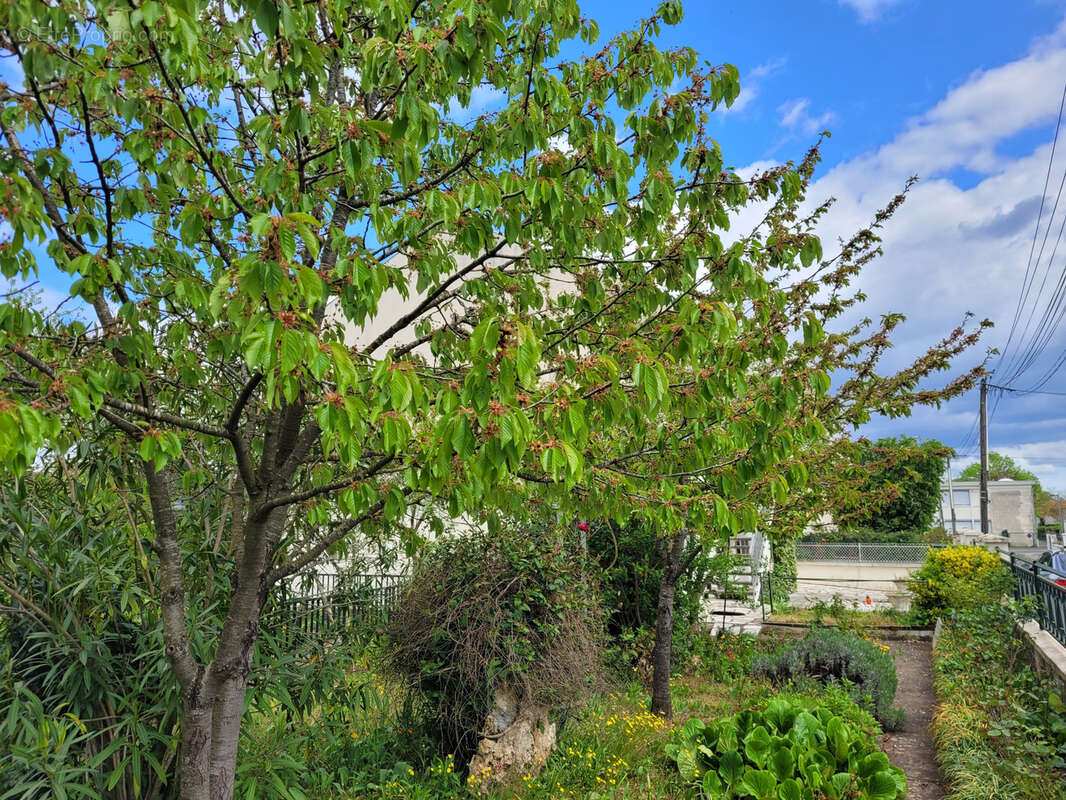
862 552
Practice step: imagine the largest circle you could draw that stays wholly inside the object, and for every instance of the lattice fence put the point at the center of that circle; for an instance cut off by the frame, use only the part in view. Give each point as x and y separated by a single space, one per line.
862 552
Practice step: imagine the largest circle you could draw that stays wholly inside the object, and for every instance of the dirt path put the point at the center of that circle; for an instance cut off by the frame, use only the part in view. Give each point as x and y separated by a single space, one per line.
912 748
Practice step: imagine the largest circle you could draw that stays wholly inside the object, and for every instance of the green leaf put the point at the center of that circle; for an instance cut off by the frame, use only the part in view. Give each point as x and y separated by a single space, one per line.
731 767
400 390
873 763
292 350
528 356
837 739
574 461
712 786
782 763
260 223
757 746
686 762
266 17
790 789
761 783
693 729
840 784
881 786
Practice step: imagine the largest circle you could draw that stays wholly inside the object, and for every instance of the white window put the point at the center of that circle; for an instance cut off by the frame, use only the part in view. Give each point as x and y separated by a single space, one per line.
962 497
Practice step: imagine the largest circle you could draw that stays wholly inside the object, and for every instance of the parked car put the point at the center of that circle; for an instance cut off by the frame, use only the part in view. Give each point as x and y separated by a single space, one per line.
1056 564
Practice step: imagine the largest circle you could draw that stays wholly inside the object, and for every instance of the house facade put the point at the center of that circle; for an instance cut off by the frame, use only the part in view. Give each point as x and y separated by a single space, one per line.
1010 508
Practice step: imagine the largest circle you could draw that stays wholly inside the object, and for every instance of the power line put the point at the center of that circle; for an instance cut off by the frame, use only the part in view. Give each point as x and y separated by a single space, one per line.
1025 391
1052 316
1027 283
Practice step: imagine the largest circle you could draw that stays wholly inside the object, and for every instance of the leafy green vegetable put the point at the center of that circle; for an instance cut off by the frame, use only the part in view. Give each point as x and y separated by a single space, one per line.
789 752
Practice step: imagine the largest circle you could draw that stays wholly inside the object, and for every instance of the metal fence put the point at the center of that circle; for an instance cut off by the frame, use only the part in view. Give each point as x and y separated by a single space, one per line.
863 552
313 604
1039 582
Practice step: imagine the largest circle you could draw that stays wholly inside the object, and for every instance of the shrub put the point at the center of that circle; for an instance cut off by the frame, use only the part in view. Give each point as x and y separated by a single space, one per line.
1000 729
515 611
935 535
957 577
783 577
90 708
833 656
785 751
607 745
630 573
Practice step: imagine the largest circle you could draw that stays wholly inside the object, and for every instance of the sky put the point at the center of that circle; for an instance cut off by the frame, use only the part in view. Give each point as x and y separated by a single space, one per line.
964 95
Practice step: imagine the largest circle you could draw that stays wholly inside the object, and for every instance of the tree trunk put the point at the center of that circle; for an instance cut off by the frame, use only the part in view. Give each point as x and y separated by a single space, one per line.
209 752
195 758
661 702
211 726
671 551
229 708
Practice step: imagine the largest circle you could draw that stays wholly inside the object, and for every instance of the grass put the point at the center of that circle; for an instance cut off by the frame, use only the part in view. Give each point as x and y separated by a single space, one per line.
871 619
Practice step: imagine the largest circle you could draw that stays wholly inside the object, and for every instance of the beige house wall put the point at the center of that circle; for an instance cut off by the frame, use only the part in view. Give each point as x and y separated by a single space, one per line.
1010 508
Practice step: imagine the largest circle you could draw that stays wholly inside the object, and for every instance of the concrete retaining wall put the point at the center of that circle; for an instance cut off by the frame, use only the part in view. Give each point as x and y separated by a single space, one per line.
854 571
1047 656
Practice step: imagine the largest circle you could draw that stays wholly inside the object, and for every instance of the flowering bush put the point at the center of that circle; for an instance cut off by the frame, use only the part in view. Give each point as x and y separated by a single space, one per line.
957 578
604 752
826 655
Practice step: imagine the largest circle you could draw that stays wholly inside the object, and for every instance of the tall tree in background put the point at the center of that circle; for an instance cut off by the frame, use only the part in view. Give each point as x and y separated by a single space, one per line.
902 484
228 185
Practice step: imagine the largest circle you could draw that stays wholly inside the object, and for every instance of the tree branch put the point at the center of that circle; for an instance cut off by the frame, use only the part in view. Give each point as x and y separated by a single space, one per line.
316 491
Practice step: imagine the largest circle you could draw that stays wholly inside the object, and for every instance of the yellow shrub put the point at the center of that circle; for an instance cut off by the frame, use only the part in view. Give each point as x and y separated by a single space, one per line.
957 577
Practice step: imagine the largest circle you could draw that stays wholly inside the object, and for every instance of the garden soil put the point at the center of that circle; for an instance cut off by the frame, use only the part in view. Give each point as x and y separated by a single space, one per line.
912 748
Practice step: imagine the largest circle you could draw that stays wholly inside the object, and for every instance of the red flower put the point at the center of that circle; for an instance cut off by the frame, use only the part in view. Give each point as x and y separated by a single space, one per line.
583 526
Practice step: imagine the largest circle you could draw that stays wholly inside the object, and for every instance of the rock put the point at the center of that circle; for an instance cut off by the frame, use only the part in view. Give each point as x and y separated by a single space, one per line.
517 738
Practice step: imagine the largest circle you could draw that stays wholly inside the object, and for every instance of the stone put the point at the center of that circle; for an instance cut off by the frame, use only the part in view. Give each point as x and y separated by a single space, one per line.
517 738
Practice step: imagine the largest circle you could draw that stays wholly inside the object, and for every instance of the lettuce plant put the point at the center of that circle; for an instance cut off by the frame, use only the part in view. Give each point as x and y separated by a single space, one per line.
785 752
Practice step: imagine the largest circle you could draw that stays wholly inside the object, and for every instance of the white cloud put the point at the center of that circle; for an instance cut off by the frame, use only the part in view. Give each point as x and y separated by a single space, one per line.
751 84
795 116
954 248
869 10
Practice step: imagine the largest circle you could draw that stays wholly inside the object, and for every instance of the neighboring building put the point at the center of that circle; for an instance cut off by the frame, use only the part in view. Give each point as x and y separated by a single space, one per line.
1010 508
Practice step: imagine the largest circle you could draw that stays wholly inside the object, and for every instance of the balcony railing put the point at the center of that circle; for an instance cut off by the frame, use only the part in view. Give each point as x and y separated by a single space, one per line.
1039 582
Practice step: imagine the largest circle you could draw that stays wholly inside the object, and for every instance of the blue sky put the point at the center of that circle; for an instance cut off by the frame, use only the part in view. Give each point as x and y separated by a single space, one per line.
964 95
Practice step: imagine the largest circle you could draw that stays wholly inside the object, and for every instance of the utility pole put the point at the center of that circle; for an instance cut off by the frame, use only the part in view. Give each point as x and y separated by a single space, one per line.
951 503
984 456
1062 526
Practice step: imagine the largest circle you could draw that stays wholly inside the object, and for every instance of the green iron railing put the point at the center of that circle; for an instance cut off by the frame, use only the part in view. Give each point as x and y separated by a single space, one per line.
1038 581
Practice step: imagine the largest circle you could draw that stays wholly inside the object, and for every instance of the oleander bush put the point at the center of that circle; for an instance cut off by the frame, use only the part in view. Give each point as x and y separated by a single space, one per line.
957 577
790 750
825 655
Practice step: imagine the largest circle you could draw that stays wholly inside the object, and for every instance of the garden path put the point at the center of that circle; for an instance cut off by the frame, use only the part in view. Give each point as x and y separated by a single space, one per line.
912 748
